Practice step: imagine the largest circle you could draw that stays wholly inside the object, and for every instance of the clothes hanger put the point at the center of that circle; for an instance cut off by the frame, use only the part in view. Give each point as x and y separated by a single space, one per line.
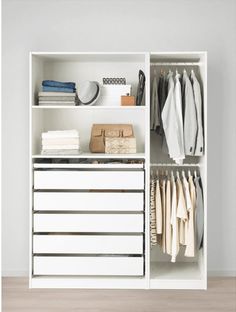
151 173
189 174
157 173
195 174
183 174
177 174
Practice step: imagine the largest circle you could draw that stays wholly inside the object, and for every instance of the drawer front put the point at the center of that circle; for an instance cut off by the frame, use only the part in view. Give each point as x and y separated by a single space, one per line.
88 244
89 201
82 180
88 222
88 265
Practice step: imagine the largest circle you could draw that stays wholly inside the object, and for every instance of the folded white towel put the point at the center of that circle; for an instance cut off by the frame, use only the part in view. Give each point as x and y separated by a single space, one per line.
57 103
60 134
60 147
60 152
60 141
63 94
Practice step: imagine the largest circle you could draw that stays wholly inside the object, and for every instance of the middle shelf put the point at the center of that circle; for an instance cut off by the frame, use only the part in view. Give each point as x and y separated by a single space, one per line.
86 107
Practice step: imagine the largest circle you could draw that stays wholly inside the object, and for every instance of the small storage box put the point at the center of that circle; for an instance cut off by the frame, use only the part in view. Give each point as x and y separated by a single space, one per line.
127 100
111 94
120 145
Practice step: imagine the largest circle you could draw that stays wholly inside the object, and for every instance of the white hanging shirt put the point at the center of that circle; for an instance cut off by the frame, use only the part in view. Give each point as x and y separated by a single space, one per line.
198 104
179 118
170 123
190 117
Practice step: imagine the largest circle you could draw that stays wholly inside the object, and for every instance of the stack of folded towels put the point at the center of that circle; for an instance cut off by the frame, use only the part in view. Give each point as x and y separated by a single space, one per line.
60 142
57 93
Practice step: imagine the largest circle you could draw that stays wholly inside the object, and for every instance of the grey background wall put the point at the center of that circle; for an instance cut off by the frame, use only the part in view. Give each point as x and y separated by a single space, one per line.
120 25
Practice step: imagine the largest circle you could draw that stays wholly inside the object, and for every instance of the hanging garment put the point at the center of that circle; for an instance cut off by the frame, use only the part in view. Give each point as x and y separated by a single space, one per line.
162 95
190 235
163 200
199 212
187 201
181 210
190 118
152 213
158 208
198 104
179 118
174 221
155 109
170 124
168 233
186 189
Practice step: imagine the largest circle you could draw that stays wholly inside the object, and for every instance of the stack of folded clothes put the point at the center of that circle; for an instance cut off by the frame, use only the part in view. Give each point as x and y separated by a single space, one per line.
60 142
57 93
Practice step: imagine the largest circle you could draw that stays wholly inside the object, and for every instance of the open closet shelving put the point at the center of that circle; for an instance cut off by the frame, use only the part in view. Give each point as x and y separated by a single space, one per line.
62 256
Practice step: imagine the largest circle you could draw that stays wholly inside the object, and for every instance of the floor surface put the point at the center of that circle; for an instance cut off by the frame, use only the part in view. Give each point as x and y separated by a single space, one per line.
220 296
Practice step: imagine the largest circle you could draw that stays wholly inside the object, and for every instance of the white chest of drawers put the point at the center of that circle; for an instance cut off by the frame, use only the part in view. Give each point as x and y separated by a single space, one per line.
88 222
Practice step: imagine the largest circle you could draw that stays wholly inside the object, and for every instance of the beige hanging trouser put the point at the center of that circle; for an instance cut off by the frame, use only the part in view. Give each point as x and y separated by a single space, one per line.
190 239
163 200
174 222
181 211
152 213
168 218
158 208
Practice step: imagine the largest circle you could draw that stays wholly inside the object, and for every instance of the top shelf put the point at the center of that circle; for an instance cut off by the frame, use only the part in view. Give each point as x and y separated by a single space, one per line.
90 57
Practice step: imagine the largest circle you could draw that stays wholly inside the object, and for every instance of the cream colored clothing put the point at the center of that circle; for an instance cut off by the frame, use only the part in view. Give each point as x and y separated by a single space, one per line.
190 238
186 189
188 202
174 221
163 200
168 218
181 211
158 208
153 214
181 204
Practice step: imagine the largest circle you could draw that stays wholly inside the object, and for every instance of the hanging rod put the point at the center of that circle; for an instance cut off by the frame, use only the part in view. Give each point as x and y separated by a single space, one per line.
174 165
176 64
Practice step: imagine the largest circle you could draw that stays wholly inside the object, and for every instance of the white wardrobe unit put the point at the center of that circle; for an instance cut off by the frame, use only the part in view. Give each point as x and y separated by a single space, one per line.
89 222
185 272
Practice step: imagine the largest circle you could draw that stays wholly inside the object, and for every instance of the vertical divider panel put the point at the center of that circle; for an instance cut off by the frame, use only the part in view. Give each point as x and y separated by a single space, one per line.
147 171
203 168
30 168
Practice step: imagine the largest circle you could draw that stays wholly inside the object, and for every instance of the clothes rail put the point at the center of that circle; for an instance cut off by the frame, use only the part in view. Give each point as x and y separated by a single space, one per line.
176 64
174 165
